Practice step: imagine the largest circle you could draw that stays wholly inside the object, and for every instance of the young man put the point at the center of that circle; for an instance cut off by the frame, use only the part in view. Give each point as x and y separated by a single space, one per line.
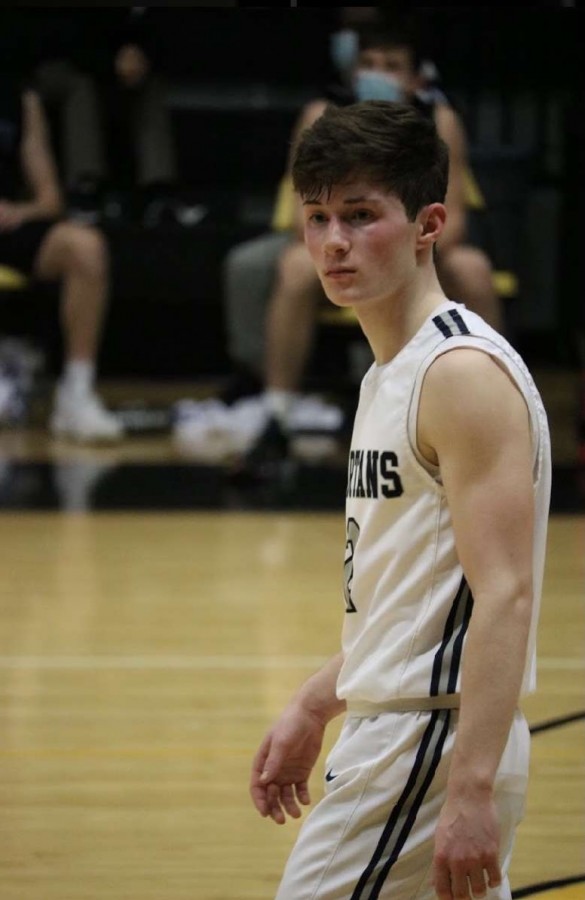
446 514
272 293
35 240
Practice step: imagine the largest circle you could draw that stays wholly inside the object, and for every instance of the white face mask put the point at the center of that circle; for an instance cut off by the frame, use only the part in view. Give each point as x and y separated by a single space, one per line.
371 85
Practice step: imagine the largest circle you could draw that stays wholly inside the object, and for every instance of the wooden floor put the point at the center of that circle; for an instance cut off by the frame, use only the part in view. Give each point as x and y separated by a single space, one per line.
142 656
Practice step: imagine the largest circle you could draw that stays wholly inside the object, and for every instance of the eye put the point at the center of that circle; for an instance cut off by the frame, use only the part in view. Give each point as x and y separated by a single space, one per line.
316 218
362 215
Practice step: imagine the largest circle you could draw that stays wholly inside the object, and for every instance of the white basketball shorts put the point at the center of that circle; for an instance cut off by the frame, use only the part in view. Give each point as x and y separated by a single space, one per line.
372 834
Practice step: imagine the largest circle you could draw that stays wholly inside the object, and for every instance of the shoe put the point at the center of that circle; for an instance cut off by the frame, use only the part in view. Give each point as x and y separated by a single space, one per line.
84 419
85 201
241 384
268 456
166 211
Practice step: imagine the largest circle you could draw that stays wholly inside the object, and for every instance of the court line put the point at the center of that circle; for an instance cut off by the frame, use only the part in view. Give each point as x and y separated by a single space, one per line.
218 661
547 886
555 723
561 662
161 662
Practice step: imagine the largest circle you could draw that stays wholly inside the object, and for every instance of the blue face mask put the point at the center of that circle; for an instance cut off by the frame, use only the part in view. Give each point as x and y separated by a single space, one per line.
372 85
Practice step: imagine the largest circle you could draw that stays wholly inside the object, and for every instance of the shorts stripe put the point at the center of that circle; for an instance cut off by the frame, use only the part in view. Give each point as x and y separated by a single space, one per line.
404 813
448 656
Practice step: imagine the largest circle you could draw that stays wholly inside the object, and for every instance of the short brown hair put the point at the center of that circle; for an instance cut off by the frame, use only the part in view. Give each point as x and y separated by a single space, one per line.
392 145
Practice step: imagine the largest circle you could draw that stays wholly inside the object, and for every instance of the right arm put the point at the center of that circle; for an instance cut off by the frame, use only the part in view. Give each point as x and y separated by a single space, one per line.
288 753
450 128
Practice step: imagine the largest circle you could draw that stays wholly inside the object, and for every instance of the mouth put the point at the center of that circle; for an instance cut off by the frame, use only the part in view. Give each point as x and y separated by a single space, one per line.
339 272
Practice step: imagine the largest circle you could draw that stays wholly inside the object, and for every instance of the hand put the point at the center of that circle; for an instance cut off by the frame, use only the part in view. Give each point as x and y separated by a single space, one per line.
131 65
283 763
466 849
12 215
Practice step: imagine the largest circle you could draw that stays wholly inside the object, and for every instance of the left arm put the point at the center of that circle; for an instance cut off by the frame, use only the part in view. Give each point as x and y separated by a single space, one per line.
474 422
39 170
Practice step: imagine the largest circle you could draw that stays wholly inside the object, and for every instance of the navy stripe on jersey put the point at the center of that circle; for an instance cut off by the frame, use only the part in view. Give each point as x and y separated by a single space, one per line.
405 811
448 656
463 329
443 326
451 324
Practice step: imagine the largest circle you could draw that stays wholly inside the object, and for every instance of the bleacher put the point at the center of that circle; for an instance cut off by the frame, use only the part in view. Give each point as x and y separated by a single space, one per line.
232 128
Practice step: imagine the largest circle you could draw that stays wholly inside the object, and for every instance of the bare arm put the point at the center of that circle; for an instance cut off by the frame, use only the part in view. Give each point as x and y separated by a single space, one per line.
318 695
38 165
451 130
475 422
310 113
288 753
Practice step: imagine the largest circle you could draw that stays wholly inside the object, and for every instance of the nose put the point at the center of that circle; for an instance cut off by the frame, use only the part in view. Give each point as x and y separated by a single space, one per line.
336 239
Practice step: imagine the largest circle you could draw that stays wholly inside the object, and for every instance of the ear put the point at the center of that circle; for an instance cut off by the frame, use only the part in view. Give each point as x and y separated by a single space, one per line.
430 223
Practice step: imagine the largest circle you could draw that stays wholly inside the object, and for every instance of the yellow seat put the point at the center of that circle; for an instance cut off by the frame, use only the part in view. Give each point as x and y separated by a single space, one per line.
11 279
338 315
505 284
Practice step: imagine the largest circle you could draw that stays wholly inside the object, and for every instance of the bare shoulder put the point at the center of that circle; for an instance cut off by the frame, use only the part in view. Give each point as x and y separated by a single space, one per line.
464 371
312 111
467 385
469 400
31 100
449 123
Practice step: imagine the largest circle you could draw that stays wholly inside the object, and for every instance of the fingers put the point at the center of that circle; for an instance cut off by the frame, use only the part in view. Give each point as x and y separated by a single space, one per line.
288 800
258 780
273 804
303 794
442 883
277 801
494 874
465 885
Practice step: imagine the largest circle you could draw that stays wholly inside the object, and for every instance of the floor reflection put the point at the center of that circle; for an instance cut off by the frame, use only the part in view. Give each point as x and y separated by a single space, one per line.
84 483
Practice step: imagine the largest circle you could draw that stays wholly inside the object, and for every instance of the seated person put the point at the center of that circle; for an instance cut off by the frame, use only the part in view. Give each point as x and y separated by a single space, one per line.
271 289
37 242
101 73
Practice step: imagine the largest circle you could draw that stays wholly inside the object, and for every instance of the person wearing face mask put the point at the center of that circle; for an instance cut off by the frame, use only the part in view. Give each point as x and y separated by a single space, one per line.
271 290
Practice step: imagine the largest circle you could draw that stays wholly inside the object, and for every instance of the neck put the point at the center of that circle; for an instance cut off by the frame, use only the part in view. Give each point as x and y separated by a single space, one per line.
390 323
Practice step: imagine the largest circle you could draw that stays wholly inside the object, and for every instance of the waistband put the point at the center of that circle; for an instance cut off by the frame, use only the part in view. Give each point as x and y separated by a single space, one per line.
363 709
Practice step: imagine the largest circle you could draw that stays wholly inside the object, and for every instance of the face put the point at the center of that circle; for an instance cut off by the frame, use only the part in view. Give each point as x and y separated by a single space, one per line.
361 242
394 62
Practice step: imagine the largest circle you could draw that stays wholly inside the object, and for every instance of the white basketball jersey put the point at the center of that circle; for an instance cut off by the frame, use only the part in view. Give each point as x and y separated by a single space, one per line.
408 604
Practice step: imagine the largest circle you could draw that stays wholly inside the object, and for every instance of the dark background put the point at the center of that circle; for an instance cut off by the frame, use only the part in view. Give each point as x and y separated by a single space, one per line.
237 78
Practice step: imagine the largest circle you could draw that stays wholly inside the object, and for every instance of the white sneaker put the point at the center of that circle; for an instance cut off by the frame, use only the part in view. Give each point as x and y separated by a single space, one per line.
83 418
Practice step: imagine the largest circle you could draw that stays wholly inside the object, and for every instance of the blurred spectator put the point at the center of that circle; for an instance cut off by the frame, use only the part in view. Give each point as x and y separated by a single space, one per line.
36 241
272 292
100 75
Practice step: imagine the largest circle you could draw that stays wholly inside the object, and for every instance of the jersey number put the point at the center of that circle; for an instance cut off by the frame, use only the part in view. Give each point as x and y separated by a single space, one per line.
353 533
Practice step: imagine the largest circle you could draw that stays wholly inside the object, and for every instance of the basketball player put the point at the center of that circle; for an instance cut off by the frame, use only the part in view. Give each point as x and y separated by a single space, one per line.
447 507
387 65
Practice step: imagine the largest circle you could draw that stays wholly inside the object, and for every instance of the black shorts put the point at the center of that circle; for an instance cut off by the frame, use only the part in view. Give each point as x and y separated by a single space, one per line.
19 248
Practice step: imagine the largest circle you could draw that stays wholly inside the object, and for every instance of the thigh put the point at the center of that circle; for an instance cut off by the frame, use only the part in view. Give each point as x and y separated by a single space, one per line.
257 256
372 835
